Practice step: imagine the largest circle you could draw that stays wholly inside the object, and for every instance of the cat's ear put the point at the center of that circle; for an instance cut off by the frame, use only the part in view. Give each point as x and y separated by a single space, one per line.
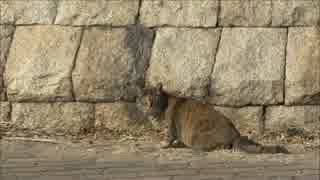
158 89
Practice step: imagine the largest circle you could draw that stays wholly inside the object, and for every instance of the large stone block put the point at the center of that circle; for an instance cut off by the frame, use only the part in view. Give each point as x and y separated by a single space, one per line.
249 67
245 13
303 66
65 118
27 11
101 12
6 33
280 118
295 13
111 63
179 13
118 116
4 113
182 60
246 119
40 62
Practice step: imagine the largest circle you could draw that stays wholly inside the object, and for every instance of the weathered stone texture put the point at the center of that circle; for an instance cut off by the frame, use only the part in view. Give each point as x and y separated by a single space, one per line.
40 62
246 119
27 11
66 118
6 33
245 13
111 63
117 116
303 66
249 67
114 12
295 13
182 60
4 113
179 13
283 117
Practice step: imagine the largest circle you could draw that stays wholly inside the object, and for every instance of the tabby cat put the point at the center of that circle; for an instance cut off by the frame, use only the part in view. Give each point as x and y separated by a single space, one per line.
196 124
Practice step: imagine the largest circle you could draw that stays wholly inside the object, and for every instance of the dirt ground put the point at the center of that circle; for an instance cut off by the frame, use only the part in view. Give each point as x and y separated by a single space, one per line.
136 155
147 140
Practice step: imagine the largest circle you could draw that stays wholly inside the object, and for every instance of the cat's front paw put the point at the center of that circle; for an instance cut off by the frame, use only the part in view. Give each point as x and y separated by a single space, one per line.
165 144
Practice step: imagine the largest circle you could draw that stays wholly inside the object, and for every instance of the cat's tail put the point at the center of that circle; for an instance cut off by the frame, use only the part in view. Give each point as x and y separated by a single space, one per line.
249 146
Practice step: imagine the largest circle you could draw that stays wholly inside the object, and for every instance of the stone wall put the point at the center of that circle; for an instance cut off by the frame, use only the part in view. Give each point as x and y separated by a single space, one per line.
70 66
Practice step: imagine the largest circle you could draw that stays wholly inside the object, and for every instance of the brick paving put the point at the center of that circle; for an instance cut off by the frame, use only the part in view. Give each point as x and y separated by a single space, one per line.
39 161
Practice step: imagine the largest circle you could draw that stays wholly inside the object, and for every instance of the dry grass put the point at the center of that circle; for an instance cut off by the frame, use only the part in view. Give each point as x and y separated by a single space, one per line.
297 140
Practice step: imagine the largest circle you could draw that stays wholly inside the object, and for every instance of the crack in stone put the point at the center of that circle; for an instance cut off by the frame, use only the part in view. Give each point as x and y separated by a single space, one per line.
213 64
10 111
56 3
262 122
218 13
74 64
4 88
137 18
271 13
285 67
150 56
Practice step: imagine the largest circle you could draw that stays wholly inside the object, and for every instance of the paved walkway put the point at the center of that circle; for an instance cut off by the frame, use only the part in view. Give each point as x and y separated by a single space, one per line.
23 160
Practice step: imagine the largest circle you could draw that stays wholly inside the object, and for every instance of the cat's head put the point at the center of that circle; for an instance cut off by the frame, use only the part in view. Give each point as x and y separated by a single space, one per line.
152 102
